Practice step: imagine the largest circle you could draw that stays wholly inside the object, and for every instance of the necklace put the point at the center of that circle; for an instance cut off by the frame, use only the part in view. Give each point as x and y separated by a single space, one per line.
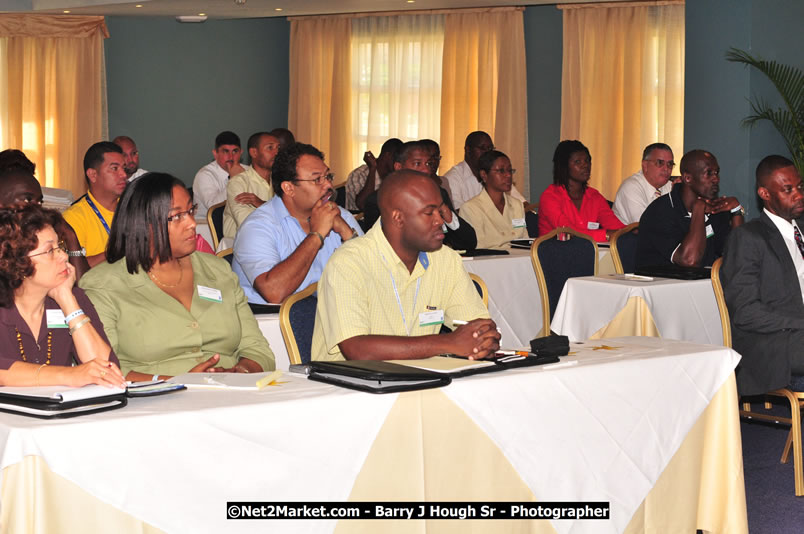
49 345
156 278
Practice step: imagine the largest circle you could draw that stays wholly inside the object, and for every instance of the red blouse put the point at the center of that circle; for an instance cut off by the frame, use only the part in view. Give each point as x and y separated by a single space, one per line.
556 209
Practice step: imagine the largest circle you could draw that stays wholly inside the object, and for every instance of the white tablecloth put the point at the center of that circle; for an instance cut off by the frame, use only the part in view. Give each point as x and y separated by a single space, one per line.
681 309
600 430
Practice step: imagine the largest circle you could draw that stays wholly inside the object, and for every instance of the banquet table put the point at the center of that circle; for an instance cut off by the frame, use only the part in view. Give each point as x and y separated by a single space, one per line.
648 425
604 306
514 296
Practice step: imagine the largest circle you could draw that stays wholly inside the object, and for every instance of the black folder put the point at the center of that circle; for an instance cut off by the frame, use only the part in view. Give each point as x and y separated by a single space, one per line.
56 408
375 376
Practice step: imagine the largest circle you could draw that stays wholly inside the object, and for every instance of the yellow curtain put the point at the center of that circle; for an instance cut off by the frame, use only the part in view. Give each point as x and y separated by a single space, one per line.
54 91
623 84
484 85
320 100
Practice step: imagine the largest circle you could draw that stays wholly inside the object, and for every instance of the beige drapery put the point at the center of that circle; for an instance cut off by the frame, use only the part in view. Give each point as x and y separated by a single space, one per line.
484 85
623 83
53 100
319 104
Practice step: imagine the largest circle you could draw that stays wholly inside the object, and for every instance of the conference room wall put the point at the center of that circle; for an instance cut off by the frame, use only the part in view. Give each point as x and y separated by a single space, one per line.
172 87
716 90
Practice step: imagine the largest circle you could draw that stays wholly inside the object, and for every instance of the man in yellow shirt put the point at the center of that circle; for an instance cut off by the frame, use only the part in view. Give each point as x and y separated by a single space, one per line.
91 215
384 296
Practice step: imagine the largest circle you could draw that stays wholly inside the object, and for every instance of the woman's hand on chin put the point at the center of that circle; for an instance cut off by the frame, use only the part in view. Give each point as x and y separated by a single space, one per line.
63 292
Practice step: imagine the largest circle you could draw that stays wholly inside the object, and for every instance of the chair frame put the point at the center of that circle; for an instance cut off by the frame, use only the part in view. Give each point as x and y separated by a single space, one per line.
795 398
537 267
225 252
215 238
284 322
483 288
615 252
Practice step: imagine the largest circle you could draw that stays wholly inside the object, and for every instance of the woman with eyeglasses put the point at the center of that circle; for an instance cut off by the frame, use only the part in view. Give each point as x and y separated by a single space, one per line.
570 201
496 216
166 308
46 324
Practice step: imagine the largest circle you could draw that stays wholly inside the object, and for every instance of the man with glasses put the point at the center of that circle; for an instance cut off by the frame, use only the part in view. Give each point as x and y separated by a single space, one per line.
464 178
689 226
283 245
645 186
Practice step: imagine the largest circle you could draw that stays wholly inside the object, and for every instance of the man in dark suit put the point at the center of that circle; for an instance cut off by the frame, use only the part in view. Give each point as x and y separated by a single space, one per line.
762 276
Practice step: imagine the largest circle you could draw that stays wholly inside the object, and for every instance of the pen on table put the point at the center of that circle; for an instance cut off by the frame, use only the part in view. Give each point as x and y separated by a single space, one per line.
459 322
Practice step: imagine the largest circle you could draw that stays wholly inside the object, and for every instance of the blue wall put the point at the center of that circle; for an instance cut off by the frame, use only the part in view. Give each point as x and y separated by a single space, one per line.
173 87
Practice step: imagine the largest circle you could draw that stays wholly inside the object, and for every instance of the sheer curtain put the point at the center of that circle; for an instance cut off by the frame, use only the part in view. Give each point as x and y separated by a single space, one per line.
396 80
484 85
319 101
52 97
623 84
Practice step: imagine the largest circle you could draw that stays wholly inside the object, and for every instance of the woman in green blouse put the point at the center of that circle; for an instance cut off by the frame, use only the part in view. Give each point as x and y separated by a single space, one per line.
166 308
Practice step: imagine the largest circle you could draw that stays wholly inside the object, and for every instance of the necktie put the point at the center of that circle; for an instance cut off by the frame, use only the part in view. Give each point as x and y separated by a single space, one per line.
799 241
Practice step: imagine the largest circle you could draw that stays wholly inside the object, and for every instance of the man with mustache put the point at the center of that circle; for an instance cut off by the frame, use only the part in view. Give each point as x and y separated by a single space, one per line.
283 245
763 277
643 187
689 226
131 157
209 185
91 215
386 295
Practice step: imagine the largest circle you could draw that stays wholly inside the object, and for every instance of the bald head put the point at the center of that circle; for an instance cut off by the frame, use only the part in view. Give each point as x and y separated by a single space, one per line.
403 187
692 160
410 205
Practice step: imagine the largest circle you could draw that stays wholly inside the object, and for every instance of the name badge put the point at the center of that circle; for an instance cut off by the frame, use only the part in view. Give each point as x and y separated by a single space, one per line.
592 225
430 318
709 231
55 319
518 223
210 293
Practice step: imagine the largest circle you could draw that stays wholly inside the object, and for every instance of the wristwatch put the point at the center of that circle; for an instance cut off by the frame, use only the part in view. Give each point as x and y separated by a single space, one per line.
738 210
77 253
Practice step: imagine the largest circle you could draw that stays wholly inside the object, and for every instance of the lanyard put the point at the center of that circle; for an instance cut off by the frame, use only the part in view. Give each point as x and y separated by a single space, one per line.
399 301
95 209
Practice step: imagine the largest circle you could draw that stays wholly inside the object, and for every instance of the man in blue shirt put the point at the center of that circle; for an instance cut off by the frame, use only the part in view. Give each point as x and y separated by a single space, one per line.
283 245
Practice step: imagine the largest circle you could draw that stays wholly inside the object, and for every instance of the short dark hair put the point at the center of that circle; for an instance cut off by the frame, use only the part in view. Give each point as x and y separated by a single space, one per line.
475 138
226 138
285 136
402 153
768 166
140 226
430 144
13 158
254 140
655 146
19 225
561 158
284 168
97 152
485 161
391 146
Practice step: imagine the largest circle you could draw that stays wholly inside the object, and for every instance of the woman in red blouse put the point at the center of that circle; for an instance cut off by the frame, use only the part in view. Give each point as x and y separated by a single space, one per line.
570 201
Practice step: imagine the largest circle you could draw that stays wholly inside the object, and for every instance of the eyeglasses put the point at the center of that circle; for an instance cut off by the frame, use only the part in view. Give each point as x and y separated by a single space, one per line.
179 217
317 181
662 163
503 171
62 246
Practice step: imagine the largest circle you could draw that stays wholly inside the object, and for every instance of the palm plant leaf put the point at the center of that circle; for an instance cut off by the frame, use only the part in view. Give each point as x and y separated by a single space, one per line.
789 119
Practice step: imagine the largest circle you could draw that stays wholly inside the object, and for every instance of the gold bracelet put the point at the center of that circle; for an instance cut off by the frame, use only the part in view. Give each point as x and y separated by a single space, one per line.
81 323
36 376
319 237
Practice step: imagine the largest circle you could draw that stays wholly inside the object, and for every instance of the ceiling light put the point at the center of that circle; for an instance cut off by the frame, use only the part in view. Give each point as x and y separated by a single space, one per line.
202 14
66 11
411 1
277 9
138 5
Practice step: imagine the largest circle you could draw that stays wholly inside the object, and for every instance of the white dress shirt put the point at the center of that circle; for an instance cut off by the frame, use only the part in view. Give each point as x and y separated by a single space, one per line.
786 229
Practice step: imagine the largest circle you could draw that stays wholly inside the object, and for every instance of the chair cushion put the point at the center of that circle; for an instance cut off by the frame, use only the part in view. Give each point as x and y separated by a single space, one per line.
561 260
797 383
626 248
302 321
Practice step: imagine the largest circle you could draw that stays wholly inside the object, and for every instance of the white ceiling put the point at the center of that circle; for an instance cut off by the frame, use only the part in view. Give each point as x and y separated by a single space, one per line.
227 9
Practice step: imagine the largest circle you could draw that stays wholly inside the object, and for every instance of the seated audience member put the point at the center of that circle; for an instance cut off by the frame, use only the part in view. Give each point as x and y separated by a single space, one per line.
433 164
763 282
358 186
570 201
283 246
131 157
47 324
689 226
464 178
91 215
251 188
385 296
285 137
645 186
209 185
496 216
166 309
18 186
415 156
